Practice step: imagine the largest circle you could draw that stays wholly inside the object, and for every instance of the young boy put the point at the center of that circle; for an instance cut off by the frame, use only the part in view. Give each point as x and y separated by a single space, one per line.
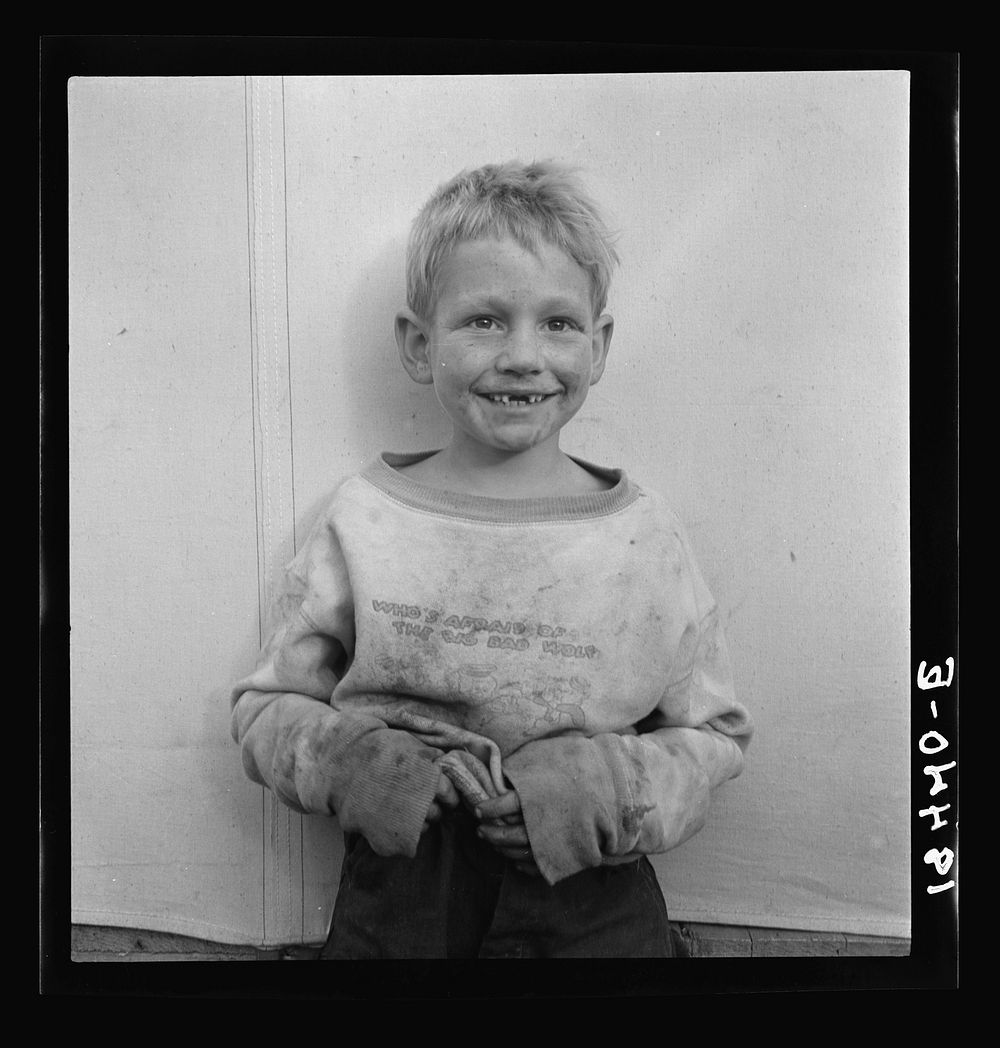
498 665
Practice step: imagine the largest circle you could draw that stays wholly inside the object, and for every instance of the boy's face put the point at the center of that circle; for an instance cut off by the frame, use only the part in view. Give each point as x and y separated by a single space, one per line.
512 347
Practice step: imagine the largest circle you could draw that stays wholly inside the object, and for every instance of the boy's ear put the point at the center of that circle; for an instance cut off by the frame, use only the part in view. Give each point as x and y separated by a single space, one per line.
411 340
603 327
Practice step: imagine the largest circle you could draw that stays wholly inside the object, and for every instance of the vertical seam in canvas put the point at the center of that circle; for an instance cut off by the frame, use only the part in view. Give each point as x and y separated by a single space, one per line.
262 349
277 386
273 279
264 400
270 397
249 133
291 452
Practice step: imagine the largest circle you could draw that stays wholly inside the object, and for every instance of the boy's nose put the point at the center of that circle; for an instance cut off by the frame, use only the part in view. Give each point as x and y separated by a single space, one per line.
521 353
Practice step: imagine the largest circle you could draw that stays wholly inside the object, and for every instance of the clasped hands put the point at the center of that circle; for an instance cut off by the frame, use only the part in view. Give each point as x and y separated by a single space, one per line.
501 822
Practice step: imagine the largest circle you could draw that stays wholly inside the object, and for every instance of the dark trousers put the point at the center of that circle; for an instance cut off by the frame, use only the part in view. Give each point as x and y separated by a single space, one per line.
459 898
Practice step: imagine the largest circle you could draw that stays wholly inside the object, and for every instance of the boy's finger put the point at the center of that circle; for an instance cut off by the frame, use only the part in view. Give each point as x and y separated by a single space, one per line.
446 793
505 836
499 807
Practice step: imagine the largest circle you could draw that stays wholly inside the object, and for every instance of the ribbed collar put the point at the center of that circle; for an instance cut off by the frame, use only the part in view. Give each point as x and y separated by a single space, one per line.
384 476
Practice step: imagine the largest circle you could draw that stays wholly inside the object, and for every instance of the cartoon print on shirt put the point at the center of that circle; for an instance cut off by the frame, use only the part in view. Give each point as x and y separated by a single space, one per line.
403 675
503 702
507 706
498 699
555 701
474 683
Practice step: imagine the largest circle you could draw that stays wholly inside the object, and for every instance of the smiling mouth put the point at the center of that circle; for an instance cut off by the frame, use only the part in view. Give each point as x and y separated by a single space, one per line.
516 399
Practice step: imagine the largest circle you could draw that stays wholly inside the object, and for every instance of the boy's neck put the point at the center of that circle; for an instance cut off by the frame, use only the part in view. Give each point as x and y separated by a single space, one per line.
539 472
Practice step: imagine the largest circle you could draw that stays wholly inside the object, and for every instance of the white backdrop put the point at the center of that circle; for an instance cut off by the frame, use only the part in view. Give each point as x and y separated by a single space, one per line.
236 261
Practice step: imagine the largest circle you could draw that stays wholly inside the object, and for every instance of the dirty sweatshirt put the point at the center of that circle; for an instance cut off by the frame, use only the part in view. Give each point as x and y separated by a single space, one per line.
569 641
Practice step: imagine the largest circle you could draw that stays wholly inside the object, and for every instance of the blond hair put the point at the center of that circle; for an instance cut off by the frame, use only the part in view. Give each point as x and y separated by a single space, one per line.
540 201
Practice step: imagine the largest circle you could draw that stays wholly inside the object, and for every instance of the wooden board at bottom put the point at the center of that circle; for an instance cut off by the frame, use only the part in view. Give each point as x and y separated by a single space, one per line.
101 943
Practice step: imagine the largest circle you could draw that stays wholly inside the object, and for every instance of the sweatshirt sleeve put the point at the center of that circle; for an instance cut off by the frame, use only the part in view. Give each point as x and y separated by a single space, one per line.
613 797
377 780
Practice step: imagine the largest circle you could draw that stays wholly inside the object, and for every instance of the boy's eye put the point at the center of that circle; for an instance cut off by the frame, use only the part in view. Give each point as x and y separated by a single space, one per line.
482 323
561 324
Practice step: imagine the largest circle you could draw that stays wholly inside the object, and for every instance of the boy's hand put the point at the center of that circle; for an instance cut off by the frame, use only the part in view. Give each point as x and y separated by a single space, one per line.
502 825
446 796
